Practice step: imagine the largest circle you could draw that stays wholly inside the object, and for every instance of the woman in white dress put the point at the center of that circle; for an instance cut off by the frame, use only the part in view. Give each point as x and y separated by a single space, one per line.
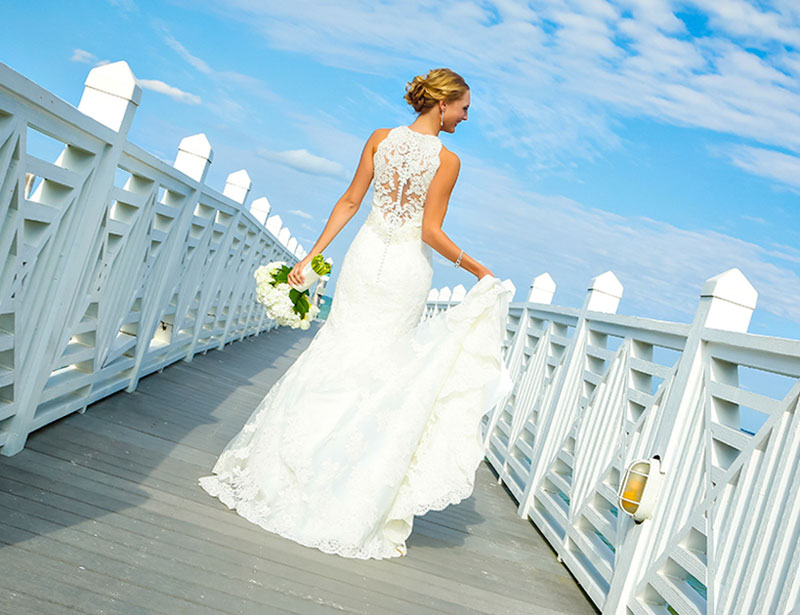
378 420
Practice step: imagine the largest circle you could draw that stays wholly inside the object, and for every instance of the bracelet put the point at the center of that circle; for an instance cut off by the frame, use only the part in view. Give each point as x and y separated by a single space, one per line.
458 260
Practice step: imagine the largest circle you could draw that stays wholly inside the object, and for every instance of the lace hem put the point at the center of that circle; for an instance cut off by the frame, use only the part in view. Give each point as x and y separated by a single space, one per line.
218 488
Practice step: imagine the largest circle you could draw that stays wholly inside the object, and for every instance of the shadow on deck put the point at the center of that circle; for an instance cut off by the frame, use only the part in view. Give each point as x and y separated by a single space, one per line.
101 513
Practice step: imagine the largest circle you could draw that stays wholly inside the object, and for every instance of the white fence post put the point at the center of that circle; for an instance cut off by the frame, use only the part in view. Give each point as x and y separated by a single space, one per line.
260 209
541 291
604 294
194 157
274 224
284 236
110 96
680 436
237 186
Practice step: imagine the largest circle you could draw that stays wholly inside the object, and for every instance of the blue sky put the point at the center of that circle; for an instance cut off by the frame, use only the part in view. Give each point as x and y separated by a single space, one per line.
659 139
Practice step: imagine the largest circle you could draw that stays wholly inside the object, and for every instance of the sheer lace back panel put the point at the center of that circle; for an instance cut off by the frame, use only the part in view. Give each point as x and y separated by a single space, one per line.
405 163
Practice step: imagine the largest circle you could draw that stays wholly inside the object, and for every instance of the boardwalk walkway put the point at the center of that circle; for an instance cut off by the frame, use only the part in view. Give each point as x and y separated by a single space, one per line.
101 513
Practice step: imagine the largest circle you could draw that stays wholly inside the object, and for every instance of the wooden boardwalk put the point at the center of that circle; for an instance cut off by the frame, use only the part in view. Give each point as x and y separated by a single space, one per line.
101 513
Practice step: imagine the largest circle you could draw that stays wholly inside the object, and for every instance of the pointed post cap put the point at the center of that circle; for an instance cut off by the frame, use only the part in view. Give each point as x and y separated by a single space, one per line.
510 287
433 295
197 145
542 289
444 293
116 79
459 292
604 294
731 299
111 96
260 209
733 286
194 156
284 235
237 185
292 245
274 224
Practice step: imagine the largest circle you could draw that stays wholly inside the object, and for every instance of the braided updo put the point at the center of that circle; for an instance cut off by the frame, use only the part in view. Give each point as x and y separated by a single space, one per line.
424 91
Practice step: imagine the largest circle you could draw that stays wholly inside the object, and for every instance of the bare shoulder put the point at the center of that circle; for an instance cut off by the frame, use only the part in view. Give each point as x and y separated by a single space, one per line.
449 160
376 137
379 135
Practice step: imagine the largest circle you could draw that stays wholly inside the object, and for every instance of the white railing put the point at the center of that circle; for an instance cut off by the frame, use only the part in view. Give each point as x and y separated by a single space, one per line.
594 390
113 263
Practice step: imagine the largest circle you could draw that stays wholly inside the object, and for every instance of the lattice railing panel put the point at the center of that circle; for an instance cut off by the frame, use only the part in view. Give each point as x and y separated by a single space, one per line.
594 391
115 263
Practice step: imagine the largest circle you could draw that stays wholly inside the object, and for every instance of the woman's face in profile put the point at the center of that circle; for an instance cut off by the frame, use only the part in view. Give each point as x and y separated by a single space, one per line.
454 112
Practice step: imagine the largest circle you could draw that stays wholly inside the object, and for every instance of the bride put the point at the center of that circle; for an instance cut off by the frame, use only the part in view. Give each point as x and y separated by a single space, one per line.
378 420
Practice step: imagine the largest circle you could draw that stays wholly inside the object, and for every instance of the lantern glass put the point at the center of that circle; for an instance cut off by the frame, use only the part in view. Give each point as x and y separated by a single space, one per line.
633 486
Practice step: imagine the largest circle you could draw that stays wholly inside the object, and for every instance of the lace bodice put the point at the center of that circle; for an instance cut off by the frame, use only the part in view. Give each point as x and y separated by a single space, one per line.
405 163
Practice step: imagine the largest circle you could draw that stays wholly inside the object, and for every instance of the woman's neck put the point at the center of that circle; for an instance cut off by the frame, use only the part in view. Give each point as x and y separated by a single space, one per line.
427 123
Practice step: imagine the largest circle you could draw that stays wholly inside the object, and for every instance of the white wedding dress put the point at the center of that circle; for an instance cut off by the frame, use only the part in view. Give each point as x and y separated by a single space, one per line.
378 419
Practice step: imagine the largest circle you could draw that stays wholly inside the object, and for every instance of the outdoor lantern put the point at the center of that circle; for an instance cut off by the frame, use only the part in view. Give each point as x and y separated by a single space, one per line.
638 492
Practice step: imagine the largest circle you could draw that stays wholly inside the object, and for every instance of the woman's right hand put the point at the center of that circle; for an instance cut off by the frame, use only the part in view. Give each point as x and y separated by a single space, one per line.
295 276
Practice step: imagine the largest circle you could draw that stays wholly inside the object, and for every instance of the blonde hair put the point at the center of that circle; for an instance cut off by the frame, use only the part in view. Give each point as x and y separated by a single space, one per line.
424 91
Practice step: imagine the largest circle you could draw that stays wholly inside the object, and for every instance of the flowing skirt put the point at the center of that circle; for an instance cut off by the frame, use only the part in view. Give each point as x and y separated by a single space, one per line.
378 420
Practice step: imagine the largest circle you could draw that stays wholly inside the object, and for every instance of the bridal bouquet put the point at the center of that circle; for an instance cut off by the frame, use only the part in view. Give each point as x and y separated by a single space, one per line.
286 304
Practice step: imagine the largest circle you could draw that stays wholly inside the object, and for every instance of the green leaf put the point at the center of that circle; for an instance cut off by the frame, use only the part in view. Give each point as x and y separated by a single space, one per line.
281 276
300 300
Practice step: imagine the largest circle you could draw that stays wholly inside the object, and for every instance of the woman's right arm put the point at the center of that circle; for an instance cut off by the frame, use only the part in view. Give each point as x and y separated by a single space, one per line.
433 215
346 207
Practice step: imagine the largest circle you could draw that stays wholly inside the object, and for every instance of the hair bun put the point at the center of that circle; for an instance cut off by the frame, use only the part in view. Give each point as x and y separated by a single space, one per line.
424 91
417 94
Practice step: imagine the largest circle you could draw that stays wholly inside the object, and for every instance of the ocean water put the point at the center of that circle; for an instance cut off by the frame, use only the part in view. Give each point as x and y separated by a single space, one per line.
324 307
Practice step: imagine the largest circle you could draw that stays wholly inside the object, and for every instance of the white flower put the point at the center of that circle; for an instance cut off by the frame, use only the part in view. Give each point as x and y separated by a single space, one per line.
276 300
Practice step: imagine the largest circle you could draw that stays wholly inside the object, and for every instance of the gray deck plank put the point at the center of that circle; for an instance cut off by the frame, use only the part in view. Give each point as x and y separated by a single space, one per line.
101 513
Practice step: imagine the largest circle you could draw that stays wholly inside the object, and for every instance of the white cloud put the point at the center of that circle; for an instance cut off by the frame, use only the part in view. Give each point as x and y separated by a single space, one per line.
171 91
305 162
551 80
196 62
662 266
301 213
230 87
86 57
741 18
83 56
777 166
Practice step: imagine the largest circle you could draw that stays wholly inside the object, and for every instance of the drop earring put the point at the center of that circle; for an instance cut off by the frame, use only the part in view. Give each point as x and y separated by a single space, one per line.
441 118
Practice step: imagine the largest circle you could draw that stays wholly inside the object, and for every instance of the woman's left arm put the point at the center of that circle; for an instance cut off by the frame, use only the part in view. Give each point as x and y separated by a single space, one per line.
436 207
